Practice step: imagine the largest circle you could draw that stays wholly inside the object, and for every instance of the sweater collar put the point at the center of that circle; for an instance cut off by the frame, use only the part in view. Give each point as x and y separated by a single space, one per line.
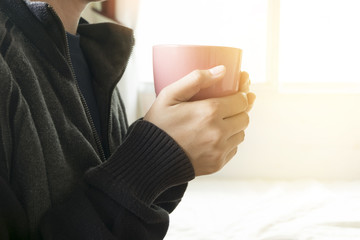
50 22
107 46
21 15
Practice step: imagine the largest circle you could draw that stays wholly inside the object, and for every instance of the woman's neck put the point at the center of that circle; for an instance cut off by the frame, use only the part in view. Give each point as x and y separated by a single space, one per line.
69 12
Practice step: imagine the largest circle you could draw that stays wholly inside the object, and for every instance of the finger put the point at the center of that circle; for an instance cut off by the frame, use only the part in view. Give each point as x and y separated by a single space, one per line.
236 139
232 105
185 88
251 99
230 155
244 88
236 123
244 82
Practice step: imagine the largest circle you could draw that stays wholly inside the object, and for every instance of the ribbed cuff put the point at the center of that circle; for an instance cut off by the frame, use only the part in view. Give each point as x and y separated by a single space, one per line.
145 165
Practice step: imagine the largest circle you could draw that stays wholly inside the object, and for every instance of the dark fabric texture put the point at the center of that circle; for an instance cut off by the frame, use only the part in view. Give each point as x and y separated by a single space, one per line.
55 182
83 77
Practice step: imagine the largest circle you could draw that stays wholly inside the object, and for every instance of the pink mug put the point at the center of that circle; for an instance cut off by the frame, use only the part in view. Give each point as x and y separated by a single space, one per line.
173 62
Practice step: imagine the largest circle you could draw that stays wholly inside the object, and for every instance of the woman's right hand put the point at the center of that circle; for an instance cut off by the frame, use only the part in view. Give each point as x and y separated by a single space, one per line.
210 130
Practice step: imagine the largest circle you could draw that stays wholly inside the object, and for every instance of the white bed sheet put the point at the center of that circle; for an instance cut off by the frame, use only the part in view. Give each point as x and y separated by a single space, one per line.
261 210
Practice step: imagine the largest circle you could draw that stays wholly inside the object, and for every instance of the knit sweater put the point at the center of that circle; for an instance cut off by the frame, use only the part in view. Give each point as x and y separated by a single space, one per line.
55 182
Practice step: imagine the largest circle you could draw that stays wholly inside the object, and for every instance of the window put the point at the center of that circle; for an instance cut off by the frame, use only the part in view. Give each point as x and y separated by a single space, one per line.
320 43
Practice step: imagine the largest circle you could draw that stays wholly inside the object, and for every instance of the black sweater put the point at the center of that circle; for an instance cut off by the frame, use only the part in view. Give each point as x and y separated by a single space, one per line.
55 182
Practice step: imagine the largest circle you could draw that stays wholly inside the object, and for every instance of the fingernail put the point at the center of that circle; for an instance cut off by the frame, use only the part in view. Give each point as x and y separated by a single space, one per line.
217 70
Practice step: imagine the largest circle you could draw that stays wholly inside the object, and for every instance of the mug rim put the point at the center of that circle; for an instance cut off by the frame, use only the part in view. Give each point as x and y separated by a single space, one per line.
193 46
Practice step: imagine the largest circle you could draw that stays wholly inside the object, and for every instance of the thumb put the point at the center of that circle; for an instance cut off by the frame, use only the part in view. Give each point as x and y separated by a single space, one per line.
185 88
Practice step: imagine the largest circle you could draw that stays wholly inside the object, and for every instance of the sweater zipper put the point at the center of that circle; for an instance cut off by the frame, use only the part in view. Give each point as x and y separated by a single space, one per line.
86 108
82 98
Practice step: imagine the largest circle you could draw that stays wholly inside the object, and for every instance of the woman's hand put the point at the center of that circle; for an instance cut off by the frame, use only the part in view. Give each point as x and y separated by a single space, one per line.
210 130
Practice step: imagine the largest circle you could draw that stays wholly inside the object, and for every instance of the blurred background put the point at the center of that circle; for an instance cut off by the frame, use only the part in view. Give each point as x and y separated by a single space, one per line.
303 58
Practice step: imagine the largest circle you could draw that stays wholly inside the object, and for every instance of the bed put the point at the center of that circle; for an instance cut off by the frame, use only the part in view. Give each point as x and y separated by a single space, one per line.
267 210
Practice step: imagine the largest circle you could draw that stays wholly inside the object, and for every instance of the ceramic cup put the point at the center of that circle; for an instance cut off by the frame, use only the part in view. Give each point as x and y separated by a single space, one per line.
173 62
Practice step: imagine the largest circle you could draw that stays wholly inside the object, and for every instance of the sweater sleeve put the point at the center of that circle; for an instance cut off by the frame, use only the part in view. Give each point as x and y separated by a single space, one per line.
147 171
144 166
126 197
